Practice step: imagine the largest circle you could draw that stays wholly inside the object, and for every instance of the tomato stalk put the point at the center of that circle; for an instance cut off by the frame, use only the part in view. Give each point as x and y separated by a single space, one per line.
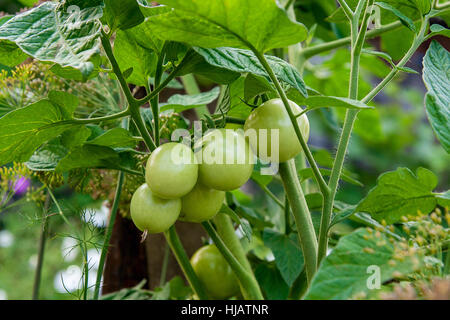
358 40
246 279
226 231
154 103
302 217
177 248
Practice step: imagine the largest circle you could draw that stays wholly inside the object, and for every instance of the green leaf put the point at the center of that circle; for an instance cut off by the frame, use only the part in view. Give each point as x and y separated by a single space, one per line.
179 103
443 199
262 180
287 252
115 138
346 271
255 85
244 61
271 281
437 29
314 102
231 23
63 34
400 193
133 49
198 65
66 101
436 77
46 158
23 130
122 14
403 18
89 156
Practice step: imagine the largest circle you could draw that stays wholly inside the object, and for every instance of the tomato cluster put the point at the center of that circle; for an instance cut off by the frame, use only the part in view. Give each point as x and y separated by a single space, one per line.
187 186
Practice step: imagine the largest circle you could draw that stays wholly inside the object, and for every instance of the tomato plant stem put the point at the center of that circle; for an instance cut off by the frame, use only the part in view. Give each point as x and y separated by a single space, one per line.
177 248
246 279
302 217
155 101
112 219
133 105
350 118
357 40
226 231
187 58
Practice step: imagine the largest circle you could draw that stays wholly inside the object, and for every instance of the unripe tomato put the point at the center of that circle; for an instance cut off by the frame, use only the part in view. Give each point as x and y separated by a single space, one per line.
225 159
152 213
273 115
214 272
171 171
201 204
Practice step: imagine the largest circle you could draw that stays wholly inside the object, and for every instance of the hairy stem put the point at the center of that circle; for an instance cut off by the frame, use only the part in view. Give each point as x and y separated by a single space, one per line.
226 231
305 228
357 36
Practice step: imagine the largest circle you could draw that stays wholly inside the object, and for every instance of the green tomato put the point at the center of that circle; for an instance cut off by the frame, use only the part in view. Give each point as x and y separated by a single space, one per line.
273 115
201 204
225 159
152 213
171 171
215 273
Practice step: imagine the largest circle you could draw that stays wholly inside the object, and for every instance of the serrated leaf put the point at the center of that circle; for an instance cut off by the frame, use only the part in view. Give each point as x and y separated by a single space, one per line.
61 33
232 23
23 130
179 103
47 157
134 49
244 61
346 271
436 77
400 193
122 14
287 252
